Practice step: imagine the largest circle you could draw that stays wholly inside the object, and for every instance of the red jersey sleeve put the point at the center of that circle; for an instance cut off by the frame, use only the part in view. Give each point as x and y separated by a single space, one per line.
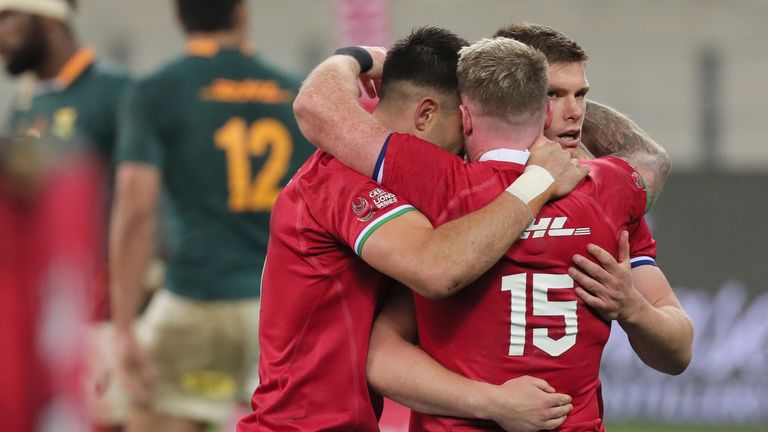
419 171
348 205
642 246
622 188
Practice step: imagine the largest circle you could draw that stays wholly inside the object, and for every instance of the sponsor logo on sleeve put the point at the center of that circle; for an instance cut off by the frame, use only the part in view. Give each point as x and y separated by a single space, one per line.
365 207
382 198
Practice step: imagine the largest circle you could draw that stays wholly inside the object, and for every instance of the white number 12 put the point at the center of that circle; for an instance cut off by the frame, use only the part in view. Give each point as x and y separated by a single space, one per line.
542 283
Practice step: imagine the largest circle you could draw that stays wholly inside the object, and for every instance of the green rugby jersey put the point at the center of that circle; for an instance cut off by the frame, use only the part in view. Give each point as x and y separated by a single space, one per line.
78 107
219 125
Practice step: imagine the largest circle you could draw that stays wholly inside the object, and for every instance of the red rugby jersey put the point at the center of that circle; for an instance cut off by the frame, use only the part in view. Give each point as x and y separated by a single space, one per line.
318 301
48 254
523 316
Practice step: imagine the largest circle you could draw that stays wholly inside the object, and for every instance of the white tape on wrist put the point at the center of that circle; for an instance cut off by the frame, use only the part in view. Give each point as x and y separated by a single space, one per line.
532 183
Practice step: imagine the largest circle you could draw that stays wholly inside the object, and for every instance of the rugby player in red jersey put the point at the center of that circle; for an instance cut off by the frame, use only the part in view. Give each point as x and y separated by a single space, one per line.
575 120
526 315
319 298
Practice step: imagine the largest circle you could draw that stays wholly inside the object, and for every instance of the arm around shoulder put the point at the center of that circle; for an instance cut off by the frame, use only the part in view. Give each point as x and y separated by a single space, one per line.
330 116
608 132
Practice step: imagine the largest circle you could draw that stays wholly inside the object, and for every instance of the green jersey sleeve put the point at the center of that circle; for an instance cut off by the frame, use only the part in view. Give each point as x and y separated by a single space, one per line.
139 134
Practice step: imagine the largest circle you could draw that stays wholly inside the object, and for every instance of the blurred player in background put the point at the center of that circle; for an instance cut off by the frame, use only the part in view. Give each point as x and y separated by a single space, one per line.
503 87
65 95
51 226
214 132
68 95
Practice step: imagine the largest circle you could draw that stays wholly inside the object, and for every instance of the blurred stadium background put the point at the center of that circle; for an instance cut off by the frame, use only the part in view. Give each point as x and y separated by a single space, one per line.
690 72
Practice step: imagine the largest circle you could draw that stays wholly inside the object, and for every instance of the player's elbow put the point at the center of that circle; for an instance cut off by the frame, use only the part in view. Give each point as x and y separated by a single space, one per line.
438 285
682 357
681 365
676 364
677 357
307 114
684 353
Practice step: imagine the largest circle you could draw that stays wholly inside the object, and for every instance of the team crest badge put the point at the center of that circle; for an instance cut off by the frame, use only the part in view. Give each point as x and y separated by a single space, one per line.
362 209
64 122
638 180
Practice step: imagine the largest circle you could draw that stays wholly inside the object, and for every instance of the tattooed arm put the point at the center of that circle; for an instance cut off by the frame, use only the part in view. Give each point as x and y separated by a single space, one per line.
608 132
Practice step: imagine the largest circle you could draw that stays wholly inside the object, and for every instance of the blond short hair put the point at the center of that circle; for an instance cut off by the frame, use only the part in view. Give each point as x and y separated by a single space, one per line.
503 78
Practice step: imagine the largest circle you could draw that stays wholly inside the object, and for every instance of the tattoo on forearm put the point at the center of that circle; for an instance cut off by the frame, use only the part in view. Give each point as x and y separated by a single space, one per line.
608 132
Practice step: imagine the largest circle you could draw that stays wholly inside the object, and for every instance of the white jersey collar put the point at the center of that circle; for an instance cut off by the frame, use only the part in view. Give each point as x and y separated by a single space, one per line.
506 155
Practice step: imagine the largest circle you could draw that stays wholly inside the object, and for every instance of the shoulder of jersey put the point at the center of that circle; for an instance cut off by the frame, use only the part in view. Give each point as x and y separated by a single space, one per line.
110 69
274 72
619 169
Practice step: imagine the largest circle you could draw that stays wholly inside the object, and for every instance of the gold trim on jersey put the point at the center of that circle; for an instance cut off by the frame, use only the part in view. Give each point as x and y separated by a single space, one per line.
74 67
209 47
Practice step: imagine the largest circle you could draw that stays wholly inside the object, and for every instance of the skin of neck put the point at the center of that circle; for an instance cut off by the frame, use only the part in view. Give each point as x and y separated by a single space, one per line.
396 112
392 118
485 132
61 45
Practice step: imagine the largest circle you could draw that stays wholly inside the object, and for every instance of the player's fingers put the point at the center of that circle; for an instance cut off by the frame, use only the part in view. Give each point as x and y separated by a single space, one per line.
584 169
559 411
591 269
585 281
553 423
368 87
605 259
148 374
541 384
133 387
592 286
624 247
542 142
558 399
589 299
101 383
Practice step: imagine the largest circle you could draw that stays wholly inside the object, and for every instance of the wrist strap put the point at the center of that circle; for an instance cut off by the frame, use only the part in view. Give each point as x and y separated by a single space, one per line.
532 183
362 56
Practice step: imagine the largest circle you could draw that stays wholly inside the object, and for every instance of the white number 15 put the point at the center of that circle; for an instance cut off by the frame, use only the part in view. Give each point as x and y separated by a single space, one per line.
542 306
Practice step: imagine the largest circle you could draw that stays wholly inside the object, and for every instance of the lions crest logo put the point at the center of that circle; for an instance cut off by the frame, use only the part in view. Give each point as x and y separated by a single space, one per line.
639 182
362 208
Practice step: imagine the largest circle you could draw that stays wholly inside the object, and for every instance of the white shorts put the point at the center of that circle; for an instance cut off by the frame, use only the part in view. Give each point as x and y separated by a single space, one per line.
205 354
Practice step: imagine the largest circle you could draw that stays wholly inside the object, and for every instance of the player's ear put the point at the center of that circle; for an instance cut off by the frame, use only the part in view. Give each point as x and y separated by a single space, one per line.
466 120
425 113
550 114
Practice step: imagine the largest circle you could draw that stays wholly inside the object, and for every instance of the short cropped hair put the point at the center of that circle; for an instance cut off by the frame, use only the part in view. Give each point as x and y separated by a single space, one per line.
206 15
504 78
427 57
558 47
